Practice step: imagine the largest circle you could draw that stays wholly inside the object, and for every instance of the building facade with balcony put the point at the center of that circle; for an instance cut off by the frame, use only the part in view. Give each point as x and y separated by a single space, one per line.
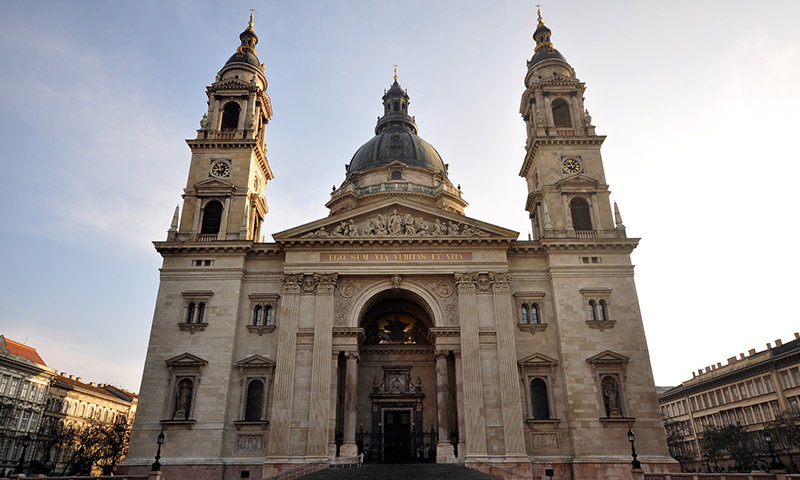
750 390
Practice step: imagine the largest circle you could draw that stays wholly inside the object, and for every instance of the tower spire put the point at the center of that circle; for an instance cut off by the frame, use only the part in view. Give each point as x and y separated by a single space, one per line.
542 33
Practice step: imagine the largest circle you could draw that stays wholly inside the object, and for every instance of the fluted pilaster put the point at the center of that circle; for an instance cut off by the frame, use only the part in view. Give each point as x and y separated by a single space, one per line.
319 414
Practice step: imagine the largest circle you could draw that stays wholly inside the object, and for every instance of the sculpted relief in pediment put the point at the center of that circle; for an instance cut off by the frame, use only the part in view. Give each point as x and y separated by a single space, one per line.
394 224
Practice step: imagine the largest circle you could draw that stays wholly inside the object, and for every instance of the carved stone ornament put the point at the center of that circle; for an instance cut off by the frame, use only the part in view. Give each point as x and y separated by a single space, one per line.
326 283
532 328
309 284
601 325
192 327
484 284
501 281
393 224
347 291
291 283
444 290
466 282
396 281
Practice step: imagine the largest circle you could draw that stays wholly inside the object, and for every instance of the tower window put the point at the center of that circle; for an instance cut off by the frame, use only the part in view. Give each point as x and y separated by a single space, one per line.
592 314
525 319
534 313
601 310
212 217
190 312
230 117
539 401
258 315
581 220
561 117
397 175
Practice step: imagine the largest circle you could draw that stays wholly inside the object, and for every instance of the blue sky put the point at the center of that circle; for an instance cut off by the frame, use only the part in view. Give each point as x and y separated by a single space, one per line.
697 99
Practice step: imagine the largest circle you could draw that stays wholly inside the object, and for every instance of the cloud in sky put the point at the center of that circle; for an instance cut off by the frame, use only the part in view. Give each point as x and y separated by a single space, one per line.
695 98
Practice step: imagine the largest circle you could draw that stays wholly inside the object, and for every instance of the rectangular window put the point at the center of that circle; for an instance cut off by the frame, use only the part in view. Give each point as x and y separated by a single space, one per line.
4 383
794 405
757 411
34 389
34 421
767 414
694 404
14 420
751 389
720 400
760 386
41 395
770 387
742 391
776 409
735 393
14 384
727 394
740 416
787 383
23 390
796 376
26 417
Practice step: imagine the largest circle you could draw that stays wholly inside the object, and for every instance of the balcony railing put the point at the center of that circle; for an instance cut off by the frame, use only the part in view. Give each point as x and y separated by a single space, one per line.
207 237
586 234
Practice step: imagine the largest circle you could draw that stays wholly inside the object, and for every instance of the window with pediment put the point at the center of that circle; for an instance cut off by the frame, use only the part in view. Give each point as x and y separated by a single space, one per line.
530 311
185 373
263 309
537 373
256 376
195 310
608 369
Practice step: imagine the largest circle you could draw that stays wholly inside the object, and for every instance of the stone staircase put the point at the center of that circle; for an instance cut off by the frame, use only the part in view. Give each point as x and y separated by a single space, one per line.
401 472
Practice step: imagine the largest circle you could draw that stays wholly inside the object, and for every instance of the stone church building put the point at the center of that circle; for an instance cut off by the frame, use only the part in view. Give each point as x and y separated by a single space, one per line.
397 327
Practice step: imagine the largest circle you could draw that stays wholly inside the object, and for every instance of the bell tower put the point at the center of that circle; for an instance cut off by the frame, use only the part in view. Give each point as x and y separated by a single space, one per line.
567 192
224 198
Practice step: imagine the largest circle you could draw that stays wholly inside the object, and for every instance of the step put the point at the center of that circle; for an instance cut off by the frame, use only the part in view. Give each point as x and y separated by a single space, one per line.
401 471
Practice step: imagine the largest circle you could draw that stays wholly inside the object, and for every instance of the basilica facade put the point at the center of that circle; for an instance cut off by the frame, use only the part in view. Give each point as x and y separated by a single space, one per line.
397 329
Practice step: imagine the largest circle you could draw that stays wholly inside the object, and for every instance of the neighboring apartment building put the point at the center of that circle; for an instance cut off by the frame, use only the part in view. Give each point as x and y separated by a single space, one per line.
750 391
24 382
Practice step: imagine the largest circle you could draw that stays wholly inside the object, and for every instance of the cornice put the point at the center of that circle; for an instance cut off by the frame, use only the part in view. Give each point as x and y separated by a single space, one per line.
229 247
317 242
556 141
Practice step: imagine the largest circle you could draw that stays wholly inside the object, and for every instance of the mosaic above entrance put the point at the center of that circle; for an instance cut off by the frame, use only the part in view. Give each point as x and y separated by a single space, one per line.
396 329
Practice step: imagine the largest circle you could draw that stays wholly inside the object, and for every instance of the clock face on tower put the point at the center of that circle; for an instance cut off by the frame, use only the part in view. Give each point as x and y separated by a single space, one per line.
221 169
571 165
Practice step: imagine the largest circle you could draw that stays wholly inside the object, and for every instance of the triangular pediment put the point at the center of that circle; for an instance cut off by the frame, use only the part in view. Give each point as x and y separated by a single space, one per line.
214 186
186 360
396 220
255 361
578 180
608 357
537 360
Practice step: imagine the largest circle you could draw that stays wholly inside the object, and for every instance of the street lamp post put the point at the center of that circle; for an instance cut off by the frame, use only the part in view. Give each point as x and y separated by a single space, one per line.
157 464
21 464
776 464
635 463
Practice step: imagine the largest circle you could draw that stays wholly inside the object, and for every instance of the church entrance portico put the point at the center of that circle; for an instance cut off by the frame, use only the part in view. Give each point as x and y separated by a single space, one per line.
401 395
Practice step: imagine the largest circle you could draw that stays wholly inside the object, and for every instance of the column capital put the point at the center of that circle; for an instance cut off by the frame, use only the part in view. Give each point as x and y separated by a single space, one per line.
351 354
441 353
466 282
325 283
291 283
501 282
457 354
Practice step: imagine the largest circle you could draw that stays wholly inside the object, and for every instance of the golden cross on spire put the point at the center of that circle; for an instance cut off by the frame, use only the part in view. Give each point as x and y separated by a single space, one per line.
395 73
252 14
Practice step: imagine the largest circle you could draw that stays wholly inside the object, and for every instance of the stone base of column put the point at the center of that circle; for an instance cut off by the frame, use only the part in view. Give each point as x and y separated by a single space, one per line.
331 450
462 449
445 453
347 452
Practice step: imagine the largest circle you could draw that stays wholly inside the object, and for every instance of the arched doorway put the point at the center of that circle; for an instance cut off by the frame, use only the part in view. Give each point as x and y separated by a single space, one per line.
397 402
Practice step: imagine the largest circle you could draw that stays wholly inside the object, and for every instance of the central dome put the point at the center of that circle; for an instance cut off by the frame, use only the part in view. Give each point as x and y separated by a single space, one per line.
396 143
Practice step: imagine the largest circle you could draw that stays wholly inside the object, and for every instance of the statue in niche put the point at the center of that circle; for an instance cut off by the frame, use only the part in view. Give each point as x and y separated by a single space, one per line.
396 279
183 399
611 397
539 119
422 229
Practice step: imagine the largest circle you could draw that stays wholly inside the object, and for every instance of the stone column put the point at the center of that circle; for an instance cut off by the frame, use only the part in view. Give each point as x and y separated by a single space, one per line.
280 423
319 414
444 449
462 445
333 397
475 421
226 215
349 447
597 223
567 216
513 432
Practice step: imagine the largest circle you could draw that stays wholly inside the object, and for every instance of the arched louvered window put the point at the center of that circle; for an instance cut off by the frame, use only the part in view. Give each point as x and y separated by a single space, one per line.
212 217
255 401
268 315
201 312
525 314
230 117
534 313
581 219
592 314
258 315
601 310
540 404
561 116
